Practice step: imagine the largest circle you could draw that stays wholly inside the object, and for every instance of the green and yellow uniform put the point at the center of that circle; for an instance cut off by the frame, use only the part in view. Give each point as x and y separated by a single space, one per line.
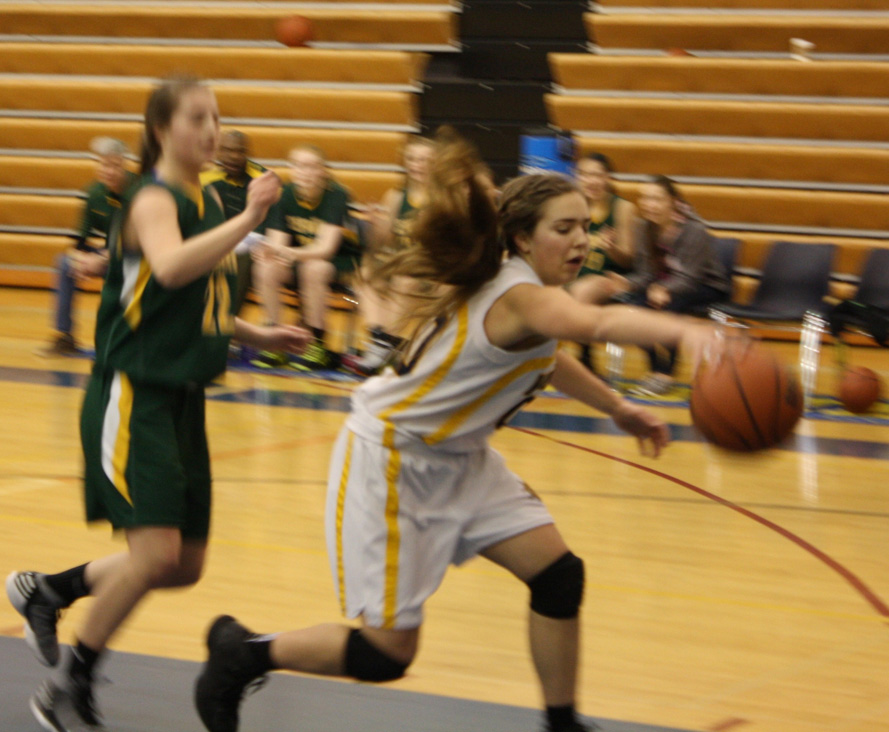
405 218
301 219
100 205
142 424
233 194
597 261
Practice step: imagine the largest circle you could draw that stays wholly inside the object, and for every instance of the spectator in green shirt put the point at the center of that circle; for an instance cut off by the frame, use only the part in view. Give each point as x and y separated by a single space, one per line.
230 179
85 259
307 242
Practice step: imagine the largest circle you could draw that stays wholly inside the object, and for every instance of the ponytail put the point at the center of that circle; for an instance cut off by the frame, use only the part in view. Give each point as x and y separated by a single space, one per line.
455 233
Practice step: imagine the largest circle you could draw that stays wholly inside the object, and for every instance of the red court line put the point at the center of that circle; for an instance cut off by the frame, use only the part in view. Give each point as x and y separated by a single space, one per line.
860 587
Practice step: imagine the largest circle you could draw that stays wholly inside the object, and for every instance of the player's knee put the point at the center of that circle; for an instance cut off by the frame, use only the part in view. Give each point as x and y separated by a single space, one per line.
366 662
160 570
557 591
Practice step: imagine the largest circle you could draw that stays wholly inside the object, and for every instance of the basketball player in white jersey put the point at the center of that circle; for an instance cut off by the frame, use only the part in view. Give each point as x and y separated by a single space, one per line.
413 485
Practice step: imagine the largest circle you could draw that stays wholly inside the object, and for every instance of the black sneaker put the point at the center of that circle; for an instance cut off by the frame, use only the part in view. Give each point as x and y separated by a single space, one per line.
66 707
226 675
41 608
61 345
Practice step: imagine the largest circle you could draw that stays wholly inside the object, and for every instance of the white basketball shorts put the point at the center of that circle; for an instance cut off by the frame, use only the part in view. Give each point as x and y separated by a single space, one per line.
397 518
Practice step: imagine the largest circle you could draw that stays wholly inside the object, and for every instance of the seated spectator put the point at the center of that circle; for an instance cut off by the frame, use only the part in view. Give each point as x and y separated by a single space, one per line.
88 257
307 242
392 225
611 236
676 268
235 170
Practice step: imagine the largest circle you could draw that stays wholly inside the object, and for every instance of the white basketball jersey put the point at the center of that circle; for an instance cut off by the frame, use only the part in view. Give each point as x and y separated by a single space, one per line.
456 387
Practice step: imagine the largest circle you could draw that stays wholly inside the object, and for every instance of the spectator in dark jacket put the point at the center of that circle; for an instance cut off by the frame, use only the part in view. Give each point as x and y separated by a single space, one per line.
676 268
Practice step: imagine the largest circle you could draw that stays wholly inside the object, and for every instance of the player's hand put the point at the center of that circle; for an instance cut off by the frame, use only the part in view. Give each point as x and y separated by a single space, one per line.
650 431
709 343
271 253
262 193
619 283
88 264
287 338
607 239
658 296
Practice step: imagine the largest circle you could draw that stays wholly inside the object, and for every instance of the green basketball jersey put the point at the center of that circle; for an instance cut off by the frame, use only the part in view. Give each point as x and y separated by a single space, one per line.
159 335
403 226
597 261
301 219
232 192
100 205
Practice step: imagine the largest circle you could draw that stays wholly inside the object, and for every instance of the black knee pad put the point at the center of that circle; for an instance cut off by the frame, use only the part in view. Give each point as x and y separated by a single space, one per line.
365 662
558 590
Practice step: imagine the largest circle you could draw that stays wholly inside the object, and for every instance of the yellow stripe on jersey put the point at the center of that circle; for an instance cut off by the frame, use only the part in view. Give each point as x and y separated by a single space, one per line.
393 535
211 176
121 454
340 510
437 376
208 324
461 415
196 194
133 311
393 538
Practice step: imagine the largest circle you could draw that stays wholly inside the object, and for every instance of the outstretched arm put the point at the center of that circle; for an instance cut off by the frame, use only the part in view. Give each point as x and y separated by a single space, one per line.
272 337
573 379
529 310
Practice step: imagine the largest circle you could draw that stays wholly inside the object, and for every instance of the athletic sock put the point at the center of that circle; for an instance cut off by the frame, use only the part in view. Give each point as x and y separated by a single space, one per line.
69 585
260 650
83 660
561 718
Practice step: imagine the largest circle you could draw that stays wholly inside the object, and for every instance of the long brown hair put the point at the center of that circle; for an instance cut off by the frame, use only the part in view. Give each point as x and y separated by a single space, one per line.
162 103
652 231
456 237
522 202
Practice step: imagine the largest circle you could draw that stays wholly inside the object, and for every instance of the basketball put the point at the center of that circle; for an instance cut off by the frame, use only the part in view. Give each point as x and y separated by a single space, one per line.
859 389
746 401
294 30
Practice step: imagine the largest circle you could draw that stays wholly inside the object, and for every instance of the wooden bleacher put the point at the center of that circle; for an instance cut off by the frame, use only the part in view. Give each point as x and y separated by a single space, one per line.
73 72
240 22
765 146
738 33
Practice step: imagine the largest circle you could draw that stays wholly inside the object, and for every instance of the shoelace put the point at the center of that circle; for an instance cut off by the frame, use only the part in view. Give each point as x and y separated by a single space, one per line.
249 689
254 686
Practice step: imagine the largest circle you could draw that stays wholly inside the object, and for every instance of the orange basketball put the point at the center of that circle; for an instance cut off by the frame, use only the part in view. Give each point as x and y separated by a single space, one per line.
746 401
859 389
294 30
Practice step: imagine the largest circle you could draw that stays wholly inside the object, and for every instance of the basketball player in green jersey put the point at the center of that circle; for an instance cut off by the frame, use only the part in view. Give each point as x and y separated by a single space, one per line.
163 330
611 237
230 180
392 227
307 242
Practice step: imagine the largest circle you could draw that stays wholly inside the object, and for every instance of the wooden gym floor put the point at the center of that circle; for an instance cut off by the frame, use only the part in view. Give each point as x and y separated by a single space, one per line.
725 592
